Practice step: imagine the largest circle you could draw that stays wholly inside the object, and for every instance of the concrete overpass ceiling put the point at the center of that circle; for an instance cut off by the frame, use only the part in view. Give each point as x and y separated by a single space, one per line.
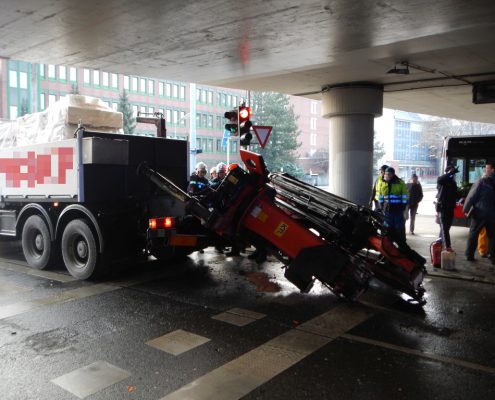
294 47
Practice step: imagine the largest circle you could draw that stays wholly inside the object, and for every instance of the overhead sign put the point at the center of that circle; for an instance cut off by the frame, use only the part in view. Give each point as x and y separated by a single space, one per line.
225 139
262 133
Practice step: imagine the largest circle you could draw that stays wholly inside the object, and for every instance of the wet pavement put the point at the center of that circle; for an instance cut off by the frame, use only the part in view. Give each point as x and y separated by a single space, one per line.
215 327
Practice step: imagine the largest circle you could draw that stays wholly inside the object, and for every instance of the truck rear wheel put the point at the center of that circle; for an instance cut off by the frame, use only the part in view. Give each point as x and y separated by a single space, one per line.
36 243
79 250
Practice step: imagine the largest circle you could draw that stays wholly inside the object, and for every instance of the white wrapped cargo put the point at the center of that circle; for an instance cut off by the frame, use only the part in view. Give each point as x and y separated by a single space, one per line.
59 121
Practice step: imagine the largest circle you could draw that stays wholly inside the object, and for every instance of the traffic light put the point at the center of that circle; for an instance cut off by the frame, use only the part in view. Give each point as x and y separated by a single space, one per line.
233 125
245 125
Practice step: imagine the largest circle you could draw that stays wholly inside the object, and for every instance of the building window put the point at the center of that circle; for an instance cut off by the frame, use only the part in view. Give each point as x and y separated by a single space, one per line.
182 92
161 90
210 121
234 101
176 117
23 80
151 110
115 106
142 85
13 112
313 123
168 116
72 74
198 120
198 95
210 97
134 110
52 99
314 105
134 84
115 81
151 87
96 78
229 100
51 71
62 73
42 102
312 139
42 70
86 78
203 96
126 82
143 109
13 79
161 111
105 79
168 90
175 93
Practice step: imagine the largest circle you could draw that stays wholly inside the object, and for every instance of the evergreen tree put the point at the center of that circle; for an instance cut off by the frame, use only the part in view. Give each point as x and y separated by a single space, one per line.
378 153
274 109
126 110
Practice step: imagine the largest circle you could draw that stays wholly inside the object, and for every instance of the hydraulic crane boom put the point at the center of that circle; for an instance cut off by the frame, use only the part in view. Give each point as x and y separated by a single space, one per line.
316 234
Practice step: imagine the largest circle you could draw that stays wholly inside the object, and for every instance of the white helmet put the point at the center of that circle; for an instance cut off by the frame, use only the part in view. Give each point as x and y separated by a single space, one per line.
201 166
221 167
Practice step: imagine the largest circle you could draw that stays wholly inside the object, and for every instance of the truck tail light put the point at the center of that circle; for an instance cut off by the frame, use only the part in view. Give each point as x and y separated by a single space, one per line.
161 223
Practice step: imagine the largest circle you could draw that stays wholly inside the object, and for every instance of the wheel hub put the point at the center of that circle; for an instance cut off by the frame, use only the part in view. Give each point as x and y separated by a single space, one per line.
38 242
82 249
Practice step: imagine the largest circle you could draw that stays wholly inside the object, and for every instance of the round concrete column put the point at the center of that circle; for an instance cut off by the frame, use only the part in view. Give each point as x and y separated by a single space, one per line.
351 110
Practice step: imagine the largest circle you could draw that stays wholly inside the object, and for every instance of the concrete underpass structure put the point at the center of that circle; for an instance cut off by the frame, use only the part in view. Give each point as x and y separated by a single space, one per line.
426 56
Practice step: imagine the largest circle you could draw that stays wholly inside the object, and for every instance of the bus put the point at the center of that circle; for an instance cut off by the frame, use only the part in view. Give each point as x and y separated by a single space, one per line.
469 154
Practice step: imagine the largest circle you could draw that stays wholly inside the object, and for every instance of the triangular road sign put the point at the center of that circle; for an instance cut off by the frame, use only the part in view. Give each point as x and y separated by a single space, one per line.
262 133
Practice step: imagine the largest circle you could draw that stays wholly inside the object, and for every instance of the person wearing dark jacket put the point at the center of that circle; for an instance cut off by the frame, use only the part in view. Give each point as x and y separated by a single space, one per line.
480 205
446 201
379 180
414 197
197 181
392 195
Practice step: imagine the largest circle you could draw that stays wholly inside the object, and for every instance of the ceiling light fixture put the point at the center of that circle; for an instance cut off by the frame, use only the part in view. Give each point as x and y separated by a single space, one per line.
402 70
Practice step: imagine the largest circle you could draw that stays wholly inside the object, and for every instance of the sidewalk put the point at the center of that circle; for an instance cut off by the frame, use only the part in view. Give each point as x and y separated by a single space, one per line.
427 231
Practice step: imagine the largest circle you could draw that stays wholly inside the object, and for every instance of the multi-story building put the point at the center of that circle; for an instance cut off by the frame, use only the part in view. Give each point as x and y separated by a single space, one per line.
406 148
190 110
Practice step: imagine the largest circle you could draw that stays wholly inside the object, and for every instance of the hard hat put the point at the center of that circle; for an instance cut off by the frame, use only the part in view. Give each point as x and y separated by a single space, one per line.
221 167
201 166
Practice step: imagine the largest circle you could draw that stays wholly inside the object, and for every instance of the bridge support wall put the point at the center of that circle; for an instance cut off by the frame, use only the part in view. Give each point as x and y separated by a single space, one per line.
352 109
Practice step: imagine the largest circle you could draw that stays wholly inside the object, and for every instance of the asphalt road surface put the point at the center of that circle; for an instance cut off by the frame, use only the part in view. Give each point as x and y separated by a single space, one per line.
214 327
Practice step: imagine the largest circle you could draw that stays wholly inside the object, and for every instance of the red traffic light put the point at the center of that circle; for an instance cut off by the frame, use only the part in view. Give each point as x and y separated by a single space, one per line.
244 113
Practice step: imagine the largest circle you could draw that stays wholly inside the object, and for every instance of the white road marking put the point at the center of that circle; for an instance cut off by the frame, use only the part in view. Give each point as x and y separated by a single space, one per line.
54 276
238 316
91 379
69 295
420 353
237 378
177 342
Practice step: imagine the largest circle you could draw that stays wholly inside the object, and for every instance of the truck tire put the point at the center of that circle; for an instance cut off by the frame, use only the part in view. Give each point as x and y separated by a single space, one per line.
36 243
79 250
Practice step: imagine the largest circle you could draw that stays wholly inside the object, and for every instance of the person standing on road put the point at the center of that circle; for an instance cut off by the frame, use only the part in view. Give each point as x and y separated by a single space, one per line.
213 173
414 195
197 181
446 201
392 195
221 173
480 205
374 198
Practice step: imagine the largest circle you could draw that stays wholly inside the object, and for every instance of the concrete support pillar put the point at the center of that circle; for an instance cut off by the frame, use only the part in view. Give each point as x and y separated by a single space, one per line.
351 110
